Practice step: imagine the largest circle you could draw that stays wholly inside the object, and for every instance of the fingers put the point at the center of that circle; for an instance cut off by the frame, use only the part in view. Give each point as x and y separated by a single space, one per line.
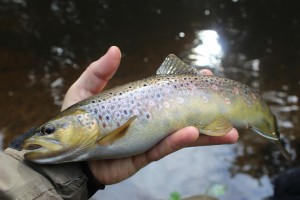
176 141
204 140
186 137
95 77
206 72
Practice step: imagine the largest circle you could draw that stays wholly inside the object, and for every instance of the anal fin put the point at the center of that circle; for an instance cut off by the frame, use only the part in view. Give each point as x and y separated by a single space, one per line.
218 127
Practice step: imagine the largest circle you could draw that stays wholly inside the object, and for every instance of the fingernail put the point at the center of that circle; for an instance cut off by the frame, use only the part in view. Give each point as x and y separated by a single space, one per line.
206 72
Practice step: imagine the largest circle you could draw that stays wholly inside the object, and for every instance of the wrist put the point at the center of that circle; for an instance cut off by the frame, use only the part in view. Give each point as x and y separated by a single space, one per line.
93 184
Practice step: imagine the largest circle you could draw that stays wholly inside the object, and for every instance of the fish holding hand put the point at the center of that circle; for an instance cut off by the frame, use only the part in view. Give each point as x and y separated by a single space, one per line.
130 119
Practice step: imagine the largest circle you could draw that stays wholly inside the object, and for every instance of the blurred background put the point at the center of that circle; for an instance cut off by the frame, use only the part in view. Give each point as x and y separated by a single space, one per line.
46 45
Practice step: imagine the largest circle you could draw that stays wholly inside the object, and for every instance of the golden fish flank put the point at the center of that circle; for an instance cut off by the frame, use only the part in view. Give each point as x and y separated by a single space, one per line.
130 119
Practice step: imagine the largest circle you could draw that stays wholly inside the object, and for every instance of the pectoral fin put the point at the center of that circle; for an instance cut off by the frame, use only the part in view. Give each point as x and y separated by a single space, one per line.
218 127
116 134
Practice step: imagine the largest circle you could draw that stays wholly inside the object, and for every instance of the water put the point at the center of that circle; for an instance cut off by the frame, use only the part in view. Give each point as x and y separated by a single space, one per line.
45 45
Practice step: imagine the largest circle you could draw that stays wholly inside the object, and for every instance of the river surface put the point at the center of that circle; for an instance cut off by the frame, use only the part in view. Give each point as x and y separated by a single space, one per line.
46 45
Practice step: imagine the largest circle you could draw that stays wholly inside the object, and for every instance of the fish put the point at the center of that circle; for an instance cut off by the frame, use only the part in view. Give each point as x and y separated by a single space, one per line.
130 119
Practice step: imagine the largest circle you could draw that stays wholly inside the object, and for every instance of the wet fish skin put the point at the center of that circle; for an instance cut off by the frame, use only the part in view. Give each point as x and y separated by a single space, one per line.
130 119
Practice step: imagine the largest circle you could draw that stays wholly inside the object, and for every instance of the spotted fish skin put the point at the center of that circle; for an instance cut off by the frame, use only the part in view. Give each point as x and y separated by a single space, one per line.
130 119
164 104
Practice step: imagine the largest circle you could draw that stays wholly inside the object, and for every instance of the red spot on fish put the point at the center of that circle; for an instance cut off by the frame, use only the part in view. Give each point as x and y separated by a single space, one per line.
227 101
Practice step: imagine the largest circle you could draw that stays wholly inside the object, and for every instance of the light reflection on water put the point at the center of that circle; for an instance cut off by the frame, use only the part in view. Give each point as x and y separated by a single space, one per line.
207 50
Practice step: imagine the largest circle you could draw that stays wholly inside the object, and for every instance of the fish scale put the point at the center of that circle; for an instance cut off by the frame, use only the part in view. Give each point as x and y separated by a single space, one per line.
153 97
130 119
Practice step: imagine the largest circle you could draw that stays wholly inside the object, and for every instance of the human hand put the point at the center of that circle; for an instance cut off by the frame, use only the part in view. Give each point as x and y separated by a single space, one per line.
91 82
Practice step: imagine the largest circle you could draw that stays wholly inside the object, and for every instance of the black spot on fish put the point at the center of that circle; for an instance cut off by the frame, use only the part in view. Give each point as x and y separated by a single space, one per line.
125 112
107 118
147 116
93 101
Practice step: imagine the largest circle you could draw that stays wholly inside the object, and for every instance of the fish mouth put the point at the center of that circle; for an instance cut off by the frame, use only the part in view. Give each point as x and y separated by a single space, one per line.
42 148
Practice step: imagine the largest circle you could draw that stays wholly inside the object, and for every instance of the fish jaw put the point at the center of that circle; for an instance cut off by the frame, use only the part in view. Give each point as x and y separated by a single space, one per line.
272 136
41 148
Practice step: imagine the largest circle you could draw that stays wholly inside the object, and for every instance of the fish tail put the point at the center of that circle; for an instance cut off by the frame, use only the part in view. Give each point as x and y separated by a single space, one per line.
282 149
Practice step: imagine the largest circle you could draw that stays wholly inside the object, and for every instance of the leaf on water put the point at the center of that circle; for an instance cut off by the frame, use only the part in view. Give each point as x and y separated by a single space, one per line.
175 196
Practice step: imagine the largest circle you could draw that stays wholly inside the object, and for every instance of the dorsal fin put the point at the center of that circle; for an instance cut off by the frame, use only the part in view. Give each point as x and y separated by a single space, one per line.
173 65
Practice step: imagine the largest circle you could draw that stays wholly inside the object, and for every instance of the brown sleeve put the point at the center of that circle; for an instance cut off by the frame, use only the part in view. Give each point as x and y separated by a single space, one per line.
22 180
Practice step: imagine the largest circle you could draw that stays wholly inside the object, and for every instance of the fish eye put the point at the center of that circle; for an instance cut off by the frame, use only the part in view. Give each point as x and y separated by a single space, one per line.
48 129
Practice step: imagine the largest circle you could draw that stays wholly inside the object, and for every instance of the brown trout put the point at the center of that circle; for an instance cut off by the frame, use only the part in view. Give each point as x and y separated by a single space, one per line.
130 119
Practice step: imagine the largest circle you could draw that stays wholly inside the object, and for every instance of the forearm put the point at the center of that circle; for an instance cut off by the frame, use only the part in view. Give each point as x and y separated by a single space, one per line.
22 180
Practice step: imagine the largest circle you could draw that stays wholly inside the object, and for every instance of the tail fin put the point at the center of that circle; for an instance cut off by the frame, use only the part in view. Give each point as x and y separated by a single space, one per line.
283 150
279 142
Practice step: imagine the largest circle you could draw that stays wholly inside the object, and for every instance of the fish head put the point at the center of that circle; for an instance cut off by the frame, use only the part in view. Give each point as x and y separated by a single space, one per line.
63 138
266 126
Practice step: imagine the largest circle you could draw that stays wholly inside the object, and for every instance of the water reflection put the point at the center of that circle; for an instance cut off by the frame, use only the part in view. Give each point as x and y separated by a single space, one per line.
207 50
202 177
56 91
